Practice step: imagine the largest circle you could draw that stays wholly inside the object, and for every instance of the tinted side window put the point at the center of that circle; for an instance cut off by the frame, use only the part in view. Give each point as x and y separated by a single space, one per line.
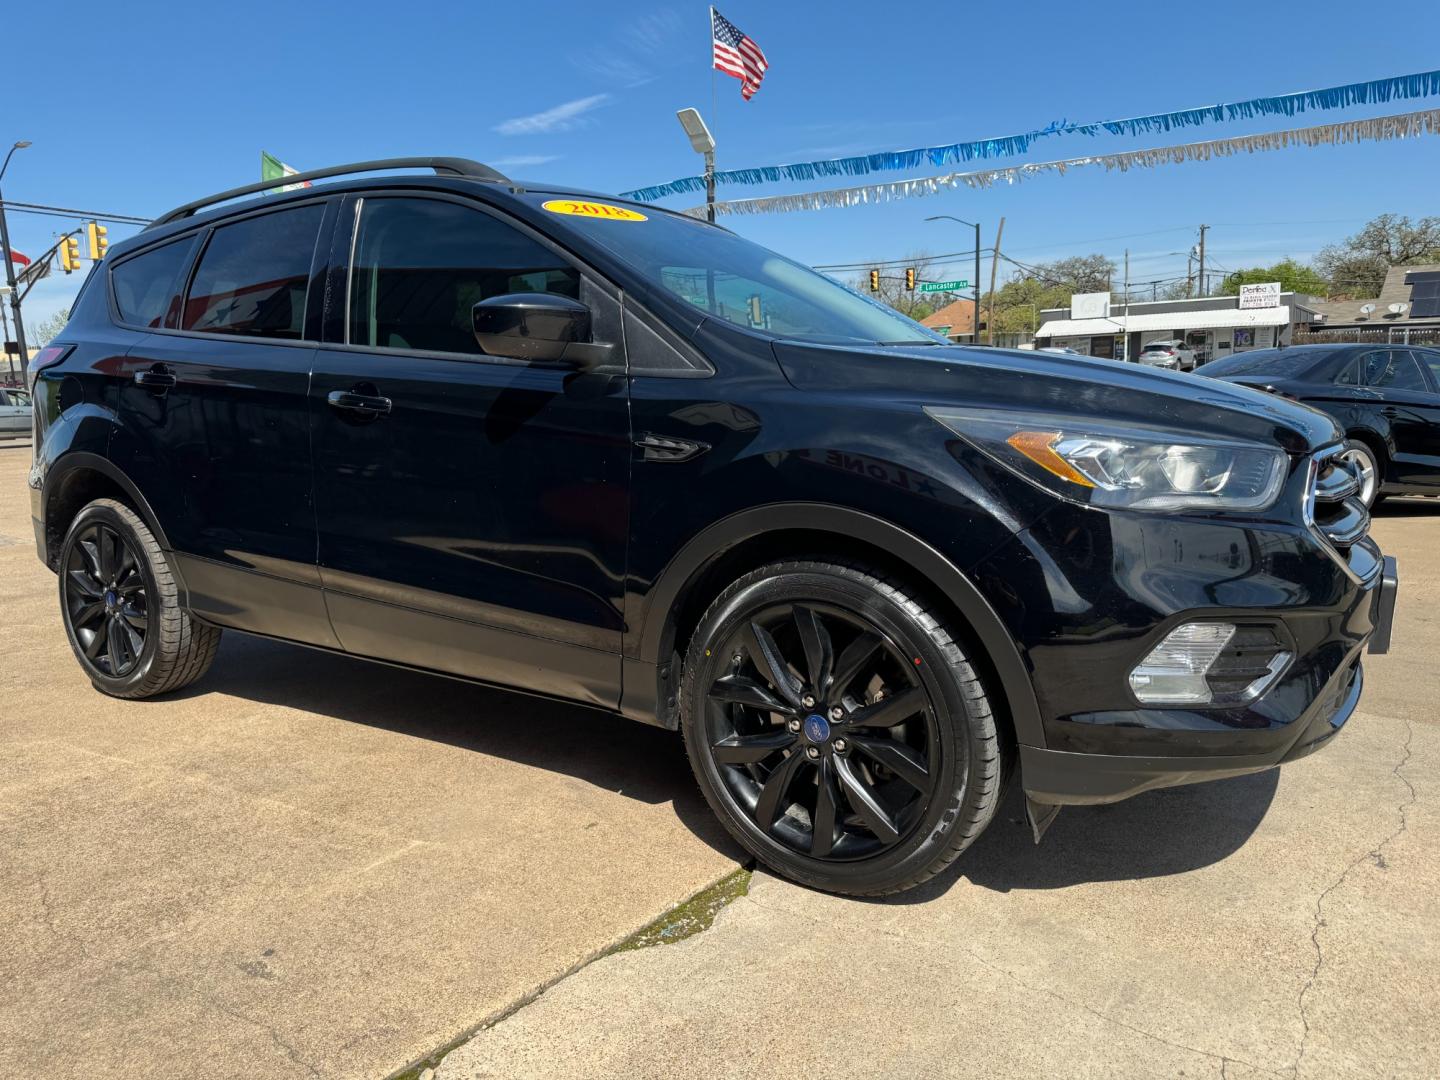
146 286
1392 369
253 276
421 264
1430 359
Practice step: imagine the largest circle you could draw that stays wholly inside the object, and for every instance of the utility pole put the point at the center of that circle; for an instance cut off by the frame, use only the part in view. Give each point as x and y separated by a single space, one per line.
1202 258
10 265
994 262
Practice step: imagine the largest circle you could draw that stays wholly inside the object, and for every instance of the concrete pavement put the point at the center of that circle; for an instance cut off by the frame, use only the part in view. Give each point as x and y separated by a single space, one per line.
1286 923
306 865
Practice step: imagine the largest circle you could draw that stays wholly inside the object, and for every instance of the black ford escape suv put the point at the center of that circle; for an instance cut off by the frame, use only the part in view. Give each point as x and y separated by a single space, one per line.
589 449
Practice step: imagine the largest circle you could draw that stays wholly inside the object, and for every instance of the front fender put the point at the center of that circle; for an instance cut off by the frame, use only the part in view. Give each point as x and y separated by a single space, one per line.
656 633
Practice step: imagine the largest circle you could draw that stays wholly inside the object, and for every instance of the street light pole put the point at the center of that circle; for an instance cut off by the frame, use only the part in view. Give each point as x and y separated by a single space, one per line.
10 262
975 317
702 142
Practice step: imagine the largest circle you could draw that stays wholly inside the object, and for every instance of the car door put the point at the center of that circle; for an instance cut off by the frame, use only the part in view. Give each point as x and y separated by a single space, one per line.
14 412
1409 406
472 509
215 429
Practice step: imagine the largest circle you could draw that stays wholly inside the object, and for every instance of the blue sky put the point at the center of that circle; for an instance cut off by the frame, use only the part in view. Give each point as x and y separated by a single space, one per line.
138 107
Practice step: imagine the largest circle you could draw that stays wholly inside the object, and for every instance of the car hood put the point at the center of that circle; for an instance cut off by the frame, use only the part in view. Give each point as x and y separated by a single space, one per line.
1019 380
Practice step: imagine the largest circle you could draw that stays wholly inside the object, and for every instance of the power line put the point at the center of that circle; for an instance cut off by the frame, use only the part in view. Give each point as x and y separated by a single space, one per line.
909 260
61 211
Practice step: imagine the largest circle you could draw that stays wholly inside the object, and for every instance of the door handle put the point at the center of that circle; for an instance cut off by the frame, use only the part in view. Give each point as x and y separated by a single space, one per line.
157 379
357 405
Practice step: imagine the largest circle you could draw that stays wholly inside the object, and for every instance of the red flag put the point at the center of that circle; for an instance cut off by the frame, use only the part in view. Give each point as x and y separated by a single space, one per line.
21 260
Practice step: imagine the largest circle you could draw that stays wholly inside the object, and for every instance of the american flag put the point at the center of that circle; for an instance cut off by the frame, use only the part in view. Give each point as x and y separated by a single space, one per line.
736 54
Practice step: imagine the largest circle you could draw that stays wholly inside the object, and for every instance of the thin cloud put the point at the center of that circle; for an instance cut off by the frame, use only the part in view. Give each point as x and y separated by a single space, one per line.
521 161
653 33
560 118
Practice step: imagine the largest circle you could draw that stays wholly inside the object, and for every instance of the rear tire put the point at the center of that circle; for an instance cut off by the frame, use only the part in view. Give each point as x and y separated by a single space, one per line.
121 607
837 728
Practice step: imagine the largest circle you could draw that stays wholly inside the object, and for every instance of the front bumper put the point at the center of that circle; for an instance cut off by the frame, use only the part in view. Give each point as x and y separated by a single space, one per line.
1063 778
1092 593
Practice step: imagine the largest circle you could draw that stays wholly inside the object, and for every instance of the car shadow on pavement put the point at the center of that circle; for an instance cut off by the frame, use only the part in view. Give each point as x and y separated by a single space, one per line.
1154 834
619 755
1415 506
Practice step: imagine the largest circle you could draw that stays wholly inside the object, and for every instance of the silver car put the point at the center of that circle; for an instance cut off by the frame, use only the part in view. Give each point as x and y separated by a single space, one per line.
14 412
1174 355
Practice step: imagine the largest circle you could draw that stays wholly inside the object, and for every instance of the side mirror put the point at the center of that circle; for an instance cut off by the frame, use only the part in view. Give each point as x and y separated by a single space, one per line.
537 326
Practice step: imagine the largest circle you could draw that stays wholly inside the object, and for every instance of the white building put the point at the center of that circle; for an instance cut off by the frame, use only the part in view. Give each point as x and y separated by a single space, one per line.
1261 318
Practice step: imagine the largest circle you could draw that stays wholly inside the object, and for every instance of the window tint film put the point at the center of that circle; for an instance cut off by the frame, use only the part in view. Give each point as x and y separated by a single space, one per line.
421 264
1392 369
1431 359
147 285
253 276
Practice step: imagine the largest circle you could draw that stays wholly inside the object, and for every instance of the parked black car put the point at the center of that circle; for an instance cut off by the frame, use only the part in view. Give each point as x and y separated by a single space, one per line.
1386 399
591 449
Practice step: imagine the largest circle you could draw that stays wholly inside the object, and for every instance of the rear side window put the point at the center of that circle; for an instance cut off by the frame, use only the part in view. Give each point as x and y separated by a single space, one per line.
254 275
148 285
1391 369
421 264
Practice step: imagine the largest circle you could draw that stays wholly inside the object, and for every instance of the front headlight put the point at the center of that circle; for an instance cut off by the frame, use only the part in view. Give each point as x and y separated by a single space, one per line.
1123 467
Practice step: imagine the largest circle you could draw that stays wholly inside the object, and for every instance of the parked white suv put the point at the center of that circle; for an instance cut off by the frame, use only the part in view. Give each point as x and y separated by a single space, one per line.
1168 354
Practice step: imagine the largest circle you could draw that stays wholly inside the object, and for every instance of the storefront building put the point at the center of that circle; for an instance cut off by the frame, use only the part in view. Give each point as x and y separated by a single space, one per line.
1213 326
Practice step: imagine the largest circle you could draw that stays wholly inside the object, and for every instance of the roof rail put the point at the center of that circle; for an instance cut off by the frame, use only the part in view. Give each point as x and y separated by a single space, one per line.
443 166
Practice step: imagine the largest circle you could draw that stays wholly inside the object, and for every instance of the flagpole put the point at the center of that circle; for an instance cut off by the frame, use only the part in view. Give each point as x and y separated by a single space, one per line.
714 96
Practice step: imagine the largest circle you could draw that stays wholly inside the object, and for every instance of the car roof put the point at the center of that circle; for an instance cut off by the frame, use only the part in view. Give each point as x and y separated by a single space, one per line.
447 175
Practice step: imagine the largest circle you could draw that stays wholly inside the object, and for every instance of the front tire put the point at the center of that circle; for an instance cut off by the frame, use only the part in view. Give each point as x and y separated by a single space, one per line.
1368 464
121 607
837 728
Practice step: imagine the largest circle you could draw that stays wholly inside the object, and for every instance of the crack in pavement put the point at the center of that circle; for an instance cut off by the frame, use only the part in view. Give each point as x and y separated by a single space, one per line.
1223 1059
1376 855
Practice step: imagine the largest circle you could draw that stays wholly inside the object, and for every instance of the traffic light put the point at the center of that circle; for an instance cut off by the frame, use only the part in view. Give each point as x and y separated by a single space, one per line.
910 278
96 233
69 254
874 280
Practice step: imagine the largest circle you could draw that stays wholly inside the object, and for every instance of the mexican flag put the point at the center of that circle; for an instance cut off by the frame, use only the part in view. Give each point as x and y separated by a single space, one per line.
272 168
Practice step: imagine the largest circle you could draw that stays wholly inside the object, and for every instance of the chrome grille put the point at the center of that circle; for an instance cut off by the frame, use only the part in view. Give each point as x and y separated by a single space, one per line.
1333 506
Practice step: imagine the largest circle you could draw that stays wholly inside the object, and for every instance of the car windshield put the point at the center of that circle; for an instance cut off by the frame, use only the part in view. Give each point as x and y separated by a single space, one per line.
1278 363
744 283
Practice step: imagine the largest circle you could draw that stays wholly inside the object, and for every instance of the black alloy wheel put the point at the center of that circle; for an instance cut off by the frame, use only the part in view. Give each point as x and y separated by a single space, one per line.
121 602
837 728
823 731
106 600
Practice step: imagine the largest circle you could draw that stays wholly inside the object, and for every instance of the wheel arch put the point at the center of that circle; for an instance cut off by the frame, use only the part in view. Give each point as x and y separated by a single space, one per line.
750 538
78 478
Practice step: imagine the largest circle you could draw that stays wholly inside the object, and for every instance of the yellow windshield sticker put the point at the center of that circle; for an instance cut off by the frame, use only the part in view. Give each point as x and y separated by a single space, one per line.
592 210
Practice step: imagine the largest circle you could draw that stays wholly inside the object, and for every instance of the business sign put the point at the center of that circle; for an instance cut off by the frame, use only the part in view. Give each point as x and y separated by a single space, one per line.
1260 296
1094 305
943 286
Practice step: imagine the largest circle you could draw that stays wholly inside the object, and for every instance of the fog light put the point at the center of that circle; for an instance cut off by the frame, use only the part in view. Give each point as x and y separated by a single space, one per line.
1174 671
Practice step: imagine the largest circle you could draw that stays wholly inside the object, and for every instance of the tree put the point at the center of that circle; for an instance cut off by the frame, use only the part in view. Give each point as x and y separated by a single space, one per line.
1020 300
915 304
1356 266
1293 277
48 329
1079 273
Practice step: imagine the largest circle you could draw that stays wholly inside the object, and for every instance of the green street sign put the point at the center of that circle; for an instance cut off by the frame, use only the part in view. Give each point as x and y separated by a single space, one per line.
943 286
